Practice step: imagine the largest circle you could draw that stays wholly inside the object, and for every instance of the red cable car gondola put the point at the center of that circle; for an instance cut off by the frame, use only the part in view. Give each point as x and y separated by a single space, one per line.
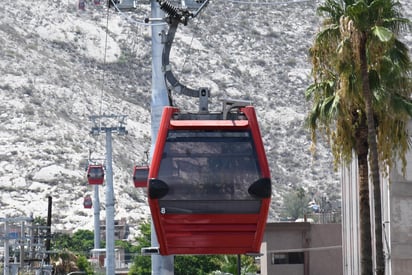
87 202
95 174
140 176
209 183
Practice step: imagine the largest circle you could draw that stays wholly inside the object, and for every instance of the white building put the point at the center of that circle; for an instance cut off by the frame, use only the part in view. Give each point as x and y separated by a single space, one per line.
397 219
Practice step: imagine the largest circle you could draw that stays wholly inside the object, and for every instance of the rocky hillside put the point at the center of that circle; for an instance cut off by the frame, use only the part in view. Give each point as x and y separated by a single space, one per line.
59 65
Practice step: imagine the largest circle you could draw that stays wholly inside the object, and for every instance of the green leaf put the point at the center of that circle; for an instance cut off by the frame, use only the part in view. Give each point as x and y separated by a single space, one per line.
384 34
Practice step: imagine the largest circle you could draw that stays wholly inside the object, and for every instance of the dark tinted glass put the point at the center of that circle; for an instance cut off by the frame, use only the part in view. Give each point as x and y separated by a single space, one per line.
96 172
288 258
209 165
141 174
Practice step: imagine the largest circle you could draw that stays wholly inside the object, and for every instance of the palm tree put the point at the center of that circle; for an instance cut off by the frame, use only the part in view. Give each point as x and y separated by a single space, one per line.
296 204
229 264
358 106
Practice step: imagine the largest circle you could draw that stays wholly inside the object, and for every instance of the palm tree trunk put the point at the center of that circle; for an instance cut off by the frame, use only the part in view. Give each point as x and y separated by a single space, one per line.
365 224
373 150
364 206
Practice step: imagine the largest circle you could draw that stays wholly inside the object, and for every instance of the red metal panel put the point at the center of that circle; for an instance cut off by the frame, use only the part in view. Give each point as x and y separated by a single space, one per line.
264 166
210 219
207 240
211 227
192 250
210 234
160 140
208 124
257 138
154 170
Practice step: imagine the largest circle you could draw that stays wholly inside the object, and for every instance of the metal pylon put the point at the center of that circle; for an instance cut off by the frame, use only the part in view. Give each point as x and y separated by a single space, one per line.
109 124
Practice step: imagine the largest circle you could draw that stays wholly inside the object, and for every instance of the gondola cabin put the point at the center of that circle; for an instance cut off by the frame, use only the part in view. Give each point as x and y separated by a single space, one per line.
87 202
140 176
123 5
209 183
82 5
95 174
192 4
126 5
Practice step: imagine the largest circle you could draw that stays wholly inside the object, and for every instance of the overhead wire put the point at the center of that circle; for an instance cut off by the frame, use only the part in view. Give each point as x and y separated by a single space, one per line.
189 53
261 3
103 83
104 61
305 249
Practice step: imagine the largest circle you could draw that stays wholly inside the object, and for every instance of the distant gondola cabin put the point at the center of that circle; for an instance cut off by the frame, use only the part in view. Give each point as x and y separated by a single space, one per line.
140 176
87 202
95 174
126 5
82 4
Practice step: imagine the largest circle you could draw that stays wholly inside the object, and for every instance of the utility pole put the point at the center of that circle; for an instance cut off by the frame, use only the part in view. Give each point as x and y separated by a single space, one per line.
99 125
6 220
6 267
49 221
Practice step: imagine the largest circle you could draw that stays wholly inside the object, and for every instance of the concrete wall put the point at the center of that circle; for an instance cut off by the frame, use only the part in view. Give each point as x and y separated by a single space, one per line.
401 219
401 228
320 243
296 269
328 259
283 237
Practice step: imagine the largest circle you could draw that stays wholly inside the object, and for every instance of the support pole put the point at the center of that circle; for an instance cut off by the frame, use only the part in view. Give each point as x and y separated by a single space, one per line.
49 221
121 130
161 265
110 264
96 212
22 244
6 267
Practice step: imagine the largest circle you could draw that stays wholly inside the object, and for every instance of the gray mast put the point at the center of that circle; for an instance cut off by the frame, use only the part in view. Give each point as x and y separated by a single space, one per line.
6 265
110 267
96 212
121 130
161 265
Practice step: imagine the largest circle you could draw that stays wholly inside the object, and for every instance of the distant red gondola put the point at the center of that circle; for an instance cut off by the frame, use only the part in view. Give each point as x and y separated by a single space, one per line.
209 183
140 176
87 202
95 174
82 5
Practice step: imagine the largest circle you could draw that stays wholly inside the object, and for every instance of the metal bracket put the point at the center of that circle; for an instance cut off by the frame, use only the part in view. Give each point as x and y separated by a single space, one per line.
204 94
175 17
149 251
100 123
229 104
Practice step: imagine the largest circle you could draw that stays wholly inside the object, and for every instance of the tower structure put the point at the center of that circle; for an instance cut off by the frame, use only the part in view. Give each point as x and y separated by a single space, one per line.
109 124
